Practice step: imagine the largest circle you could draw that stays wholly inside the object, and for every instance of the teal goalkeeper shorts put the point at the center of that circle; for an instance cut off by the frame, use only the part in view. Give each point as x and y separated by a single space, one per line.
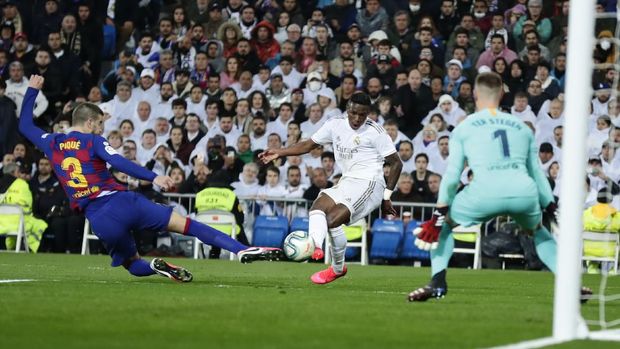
470 207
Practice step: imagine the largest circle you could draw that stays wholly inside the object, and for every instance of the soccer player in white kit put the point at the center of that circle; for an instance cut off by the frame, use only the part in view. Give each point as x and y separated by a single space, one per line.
361 148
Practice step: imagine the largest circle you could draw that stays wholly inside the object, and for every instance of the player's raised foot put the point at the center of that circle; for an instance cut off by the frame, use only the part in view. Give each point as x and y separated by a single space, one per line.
252 254
328 275
317 254
171 271
425 293
586 294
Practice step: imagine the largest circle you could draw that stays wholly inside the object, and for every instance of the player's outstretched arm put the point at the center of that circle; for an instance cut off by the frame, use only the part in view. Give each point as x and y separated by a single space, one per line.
109 155
300 148
26 123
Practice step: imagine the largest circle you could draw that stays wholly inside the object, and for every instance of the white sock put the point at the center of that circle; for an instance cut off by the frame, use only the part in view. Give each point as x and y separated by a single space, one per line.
338 248
317 225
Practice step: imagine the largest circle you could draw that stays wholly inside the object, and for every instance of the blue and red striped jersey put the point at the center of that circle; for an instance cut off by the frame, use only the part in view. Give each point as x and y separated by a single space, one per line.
79 159
83 174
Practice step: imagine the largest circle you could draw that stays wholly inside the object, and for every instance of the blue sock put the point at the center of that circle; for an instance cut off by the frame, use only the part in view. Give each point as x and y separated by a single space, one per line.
440 257
212 237
546 247
140 267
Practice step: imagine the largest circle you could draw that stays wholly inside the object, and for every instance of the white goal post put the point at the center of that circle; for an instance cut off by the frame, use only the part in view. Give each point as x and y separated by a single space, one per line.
568 323
566 306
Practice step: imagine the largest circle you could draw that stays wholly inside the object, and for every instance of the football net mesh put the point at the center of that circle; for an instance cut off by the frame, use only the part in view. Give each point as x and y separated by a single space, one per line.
600 246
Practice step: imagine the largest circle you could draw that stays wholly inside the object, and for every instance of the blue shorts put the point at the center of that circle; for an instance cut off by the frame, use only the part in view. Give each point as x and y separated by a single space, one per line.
112 217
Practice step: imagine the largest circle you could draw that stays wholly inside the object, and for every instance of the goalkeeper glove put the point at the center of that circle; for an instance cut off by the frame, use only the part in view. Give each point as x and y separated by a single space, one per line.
427 235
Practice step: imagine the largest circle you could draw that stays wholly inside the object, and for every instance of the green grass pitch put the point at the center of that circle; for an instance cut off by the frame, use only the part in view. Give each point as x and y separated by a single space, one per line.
81 302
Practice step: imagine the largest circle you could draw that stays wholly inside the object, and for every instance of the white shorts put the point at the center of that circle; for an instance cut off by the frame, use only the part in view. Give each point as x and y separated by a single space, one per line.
360 196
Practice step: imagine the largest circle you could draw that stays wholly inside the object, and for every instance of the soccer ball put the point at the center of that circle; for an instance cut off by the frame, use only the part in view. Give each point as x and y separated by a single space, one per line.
298 246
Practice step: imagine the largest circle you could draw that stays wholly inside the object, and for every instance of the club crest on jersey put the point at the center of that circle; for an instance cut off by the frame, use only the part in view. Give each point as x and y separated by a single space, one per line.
357 140
69 145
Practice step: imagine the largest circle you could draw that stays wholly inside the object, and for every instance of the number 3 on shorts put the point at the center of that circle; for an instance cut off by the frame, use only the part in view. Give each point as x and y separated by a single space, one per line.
74 169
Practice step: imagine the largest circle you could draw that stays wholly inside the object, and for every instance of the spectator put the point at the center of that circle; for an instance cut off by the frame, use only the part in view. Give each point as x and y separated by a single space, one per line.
531 38
448 19
242 121
546 156
550 85
8 121
420 175
405 151
319 182
453 78
22 50
522 110
248 60
340 15
372 17
258 136
147 146
192 129
438 162
412 103
497 49
196 102
47 22
264 43
179 144
534 14
247 186
450 111
202 70
277 92
16 88
225 129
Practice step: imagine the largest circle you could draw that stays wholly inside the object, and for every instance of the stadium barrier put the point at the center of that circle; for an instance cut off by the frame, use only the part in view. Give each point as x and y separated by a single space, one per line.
409 212
292 208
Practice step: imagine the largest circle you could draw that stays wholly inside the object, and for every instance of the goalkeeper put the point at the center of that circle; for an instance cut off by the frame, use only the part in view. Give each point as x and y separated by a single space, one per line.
501 151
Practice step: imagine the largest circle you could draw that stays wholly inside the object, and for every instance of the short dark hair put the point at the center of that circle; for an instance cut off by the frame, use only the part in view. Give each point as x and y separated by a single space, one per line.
360 98
179 102
421 155
350 76
498 36
328 154
292 167
149 131
83 112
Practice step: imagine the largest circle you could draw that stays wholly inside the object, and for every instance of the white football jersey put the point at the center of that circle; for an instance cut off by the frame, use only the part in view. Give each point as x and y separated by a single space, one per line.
359 153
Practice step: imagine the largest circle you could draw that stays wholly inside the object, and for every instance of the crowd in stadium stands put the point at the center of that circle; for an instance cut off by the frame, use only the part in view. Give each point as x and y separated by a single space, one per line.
196 88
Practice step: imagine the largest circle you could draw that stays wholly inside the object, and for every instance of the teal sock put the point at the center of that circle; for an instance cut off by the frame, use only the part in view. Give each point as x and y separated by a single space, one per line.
546 248
440 257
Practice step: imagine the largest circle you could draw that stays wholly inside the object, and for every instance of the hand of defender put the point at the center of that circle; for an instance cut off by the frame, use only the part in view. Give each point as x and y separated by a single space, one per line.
164 182
427 235
268 156
36 81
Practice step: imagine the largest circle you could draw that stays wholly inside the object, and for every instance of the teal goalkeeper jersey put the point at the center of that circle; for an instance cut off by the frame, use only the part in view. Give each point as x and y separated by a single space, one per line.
501 151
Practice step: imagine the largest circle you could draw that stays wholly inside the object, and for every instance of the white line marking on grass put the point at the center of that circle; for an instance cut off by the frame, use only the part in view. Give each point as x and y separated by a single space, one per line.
10 281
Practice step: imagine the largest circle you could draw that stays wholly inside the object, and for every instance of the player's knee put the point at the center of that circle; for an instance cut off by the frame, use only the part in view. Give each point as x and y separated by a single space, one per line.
334 220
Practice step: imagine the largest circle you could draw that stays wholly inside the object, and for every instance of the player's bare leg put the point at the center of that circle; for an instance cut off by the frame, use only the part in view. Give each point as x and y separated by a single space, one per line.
210 236
317 223
336 217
